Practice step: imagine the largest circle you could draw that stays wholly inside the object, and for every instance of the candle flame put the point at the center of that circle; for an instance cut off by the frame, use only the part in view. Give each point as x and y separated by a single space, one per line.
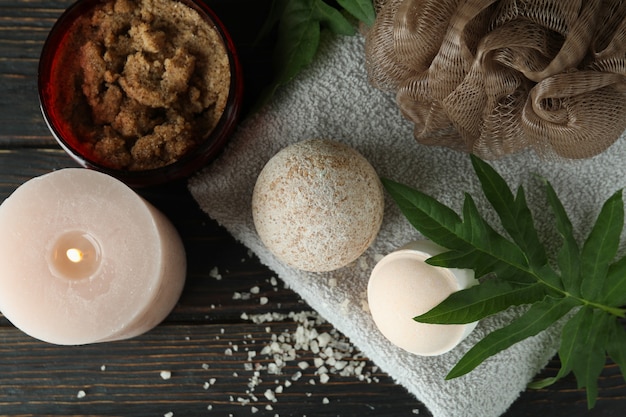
74 255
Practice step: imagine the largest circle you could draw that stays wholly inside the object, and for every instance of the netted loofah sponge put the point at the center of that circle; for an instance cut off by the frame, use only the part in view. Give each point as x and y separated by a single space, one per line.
495 77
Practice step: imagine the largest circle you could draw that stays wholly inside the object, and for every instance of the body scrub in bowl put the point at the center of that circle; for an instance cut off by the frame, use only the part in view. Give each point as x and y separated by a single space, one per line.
145 90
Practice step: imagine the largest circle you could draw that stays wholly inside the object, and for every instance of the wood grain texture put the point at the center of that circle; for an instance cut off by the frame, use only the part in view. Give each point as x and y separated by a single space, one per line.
224 281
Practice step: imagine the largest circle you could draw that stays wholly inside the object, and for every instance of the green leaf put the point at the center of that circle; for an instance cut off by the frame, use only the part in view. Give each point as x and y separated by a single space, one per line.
582 350
299 26
479 234
433 219
614 291
616 345
515 216
331 17
568 257
480 301
539 317
363 10
481 264
520 273
601 246
298 40
443 226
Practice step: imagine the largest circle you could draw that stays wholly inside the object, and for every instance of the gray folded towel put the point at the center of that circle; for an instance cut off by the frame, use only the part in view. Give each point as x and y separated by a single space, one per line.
332 99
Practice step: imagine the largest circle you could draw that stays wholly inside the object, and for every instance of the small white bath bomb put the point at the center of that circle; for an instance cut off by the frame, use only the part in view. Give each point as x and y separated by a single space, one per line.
318 205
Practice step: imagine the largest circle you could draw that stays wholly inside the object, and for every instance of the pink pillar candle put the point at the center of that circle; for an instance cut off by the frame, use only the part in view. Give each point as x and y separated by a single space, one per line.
84 259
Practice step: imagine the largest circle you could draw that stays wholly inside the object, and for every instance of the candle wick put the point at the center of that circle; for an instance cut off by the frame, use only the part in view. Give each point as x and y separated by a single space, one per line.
74 255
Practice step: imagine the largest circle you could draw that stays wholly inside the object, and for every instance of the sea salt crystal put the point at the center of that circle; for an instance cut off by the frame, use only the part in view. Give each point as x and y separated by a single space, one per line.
166 375
215 273
81 394
269 394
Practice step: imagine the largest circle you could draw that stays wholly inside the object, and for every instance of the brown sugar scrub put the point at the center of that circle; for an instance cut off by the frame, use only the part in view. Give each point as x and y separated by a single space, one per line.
143 82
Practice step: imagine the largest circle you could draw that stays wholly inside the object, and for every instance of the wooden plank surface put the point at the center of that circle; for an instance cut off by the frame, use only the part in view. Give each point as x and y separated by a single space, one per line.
206 344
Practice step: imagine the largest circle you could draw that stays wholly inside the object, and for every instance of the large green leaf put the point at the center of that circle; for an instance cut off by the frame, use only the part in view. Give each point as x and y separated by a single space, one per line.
519 273
363 10
616 345
331 17
299 26
515 216
582 348
480 235
433 219
539 317
444 226
480 301
568 257
614 290
482 265
601 246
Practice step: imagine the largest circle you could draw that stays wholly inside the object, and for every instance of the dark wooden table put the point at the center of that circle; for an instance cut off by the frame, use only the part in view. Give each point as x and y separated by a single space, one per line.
205 344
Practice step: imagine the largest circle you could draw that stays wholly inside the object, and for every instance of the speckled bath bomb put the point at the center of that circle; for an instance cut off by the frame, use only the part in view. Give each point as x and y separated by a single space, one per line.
317 205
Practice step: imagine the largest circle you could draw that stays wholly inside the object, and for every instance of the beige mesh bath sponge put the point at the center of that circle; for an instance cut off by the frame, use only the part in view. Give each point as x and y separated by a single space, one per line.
495 77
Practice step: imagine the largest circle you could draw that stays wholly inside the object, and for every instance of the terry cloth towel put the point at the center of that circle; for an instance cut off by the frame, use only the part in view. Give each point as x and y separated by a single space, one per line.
332 99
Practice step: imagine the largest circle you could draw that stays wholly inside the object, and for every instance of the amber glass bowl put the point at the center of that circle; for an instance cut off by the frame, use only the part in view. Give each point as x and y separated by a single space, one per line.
203 153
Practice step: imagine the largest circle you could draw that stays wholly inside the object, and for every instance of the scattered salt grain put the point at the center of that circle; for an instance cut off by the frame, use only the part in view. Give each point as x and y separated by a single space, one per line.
215 273
169 414
330 353
263 300
325 400
269 394
81 394
166 375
